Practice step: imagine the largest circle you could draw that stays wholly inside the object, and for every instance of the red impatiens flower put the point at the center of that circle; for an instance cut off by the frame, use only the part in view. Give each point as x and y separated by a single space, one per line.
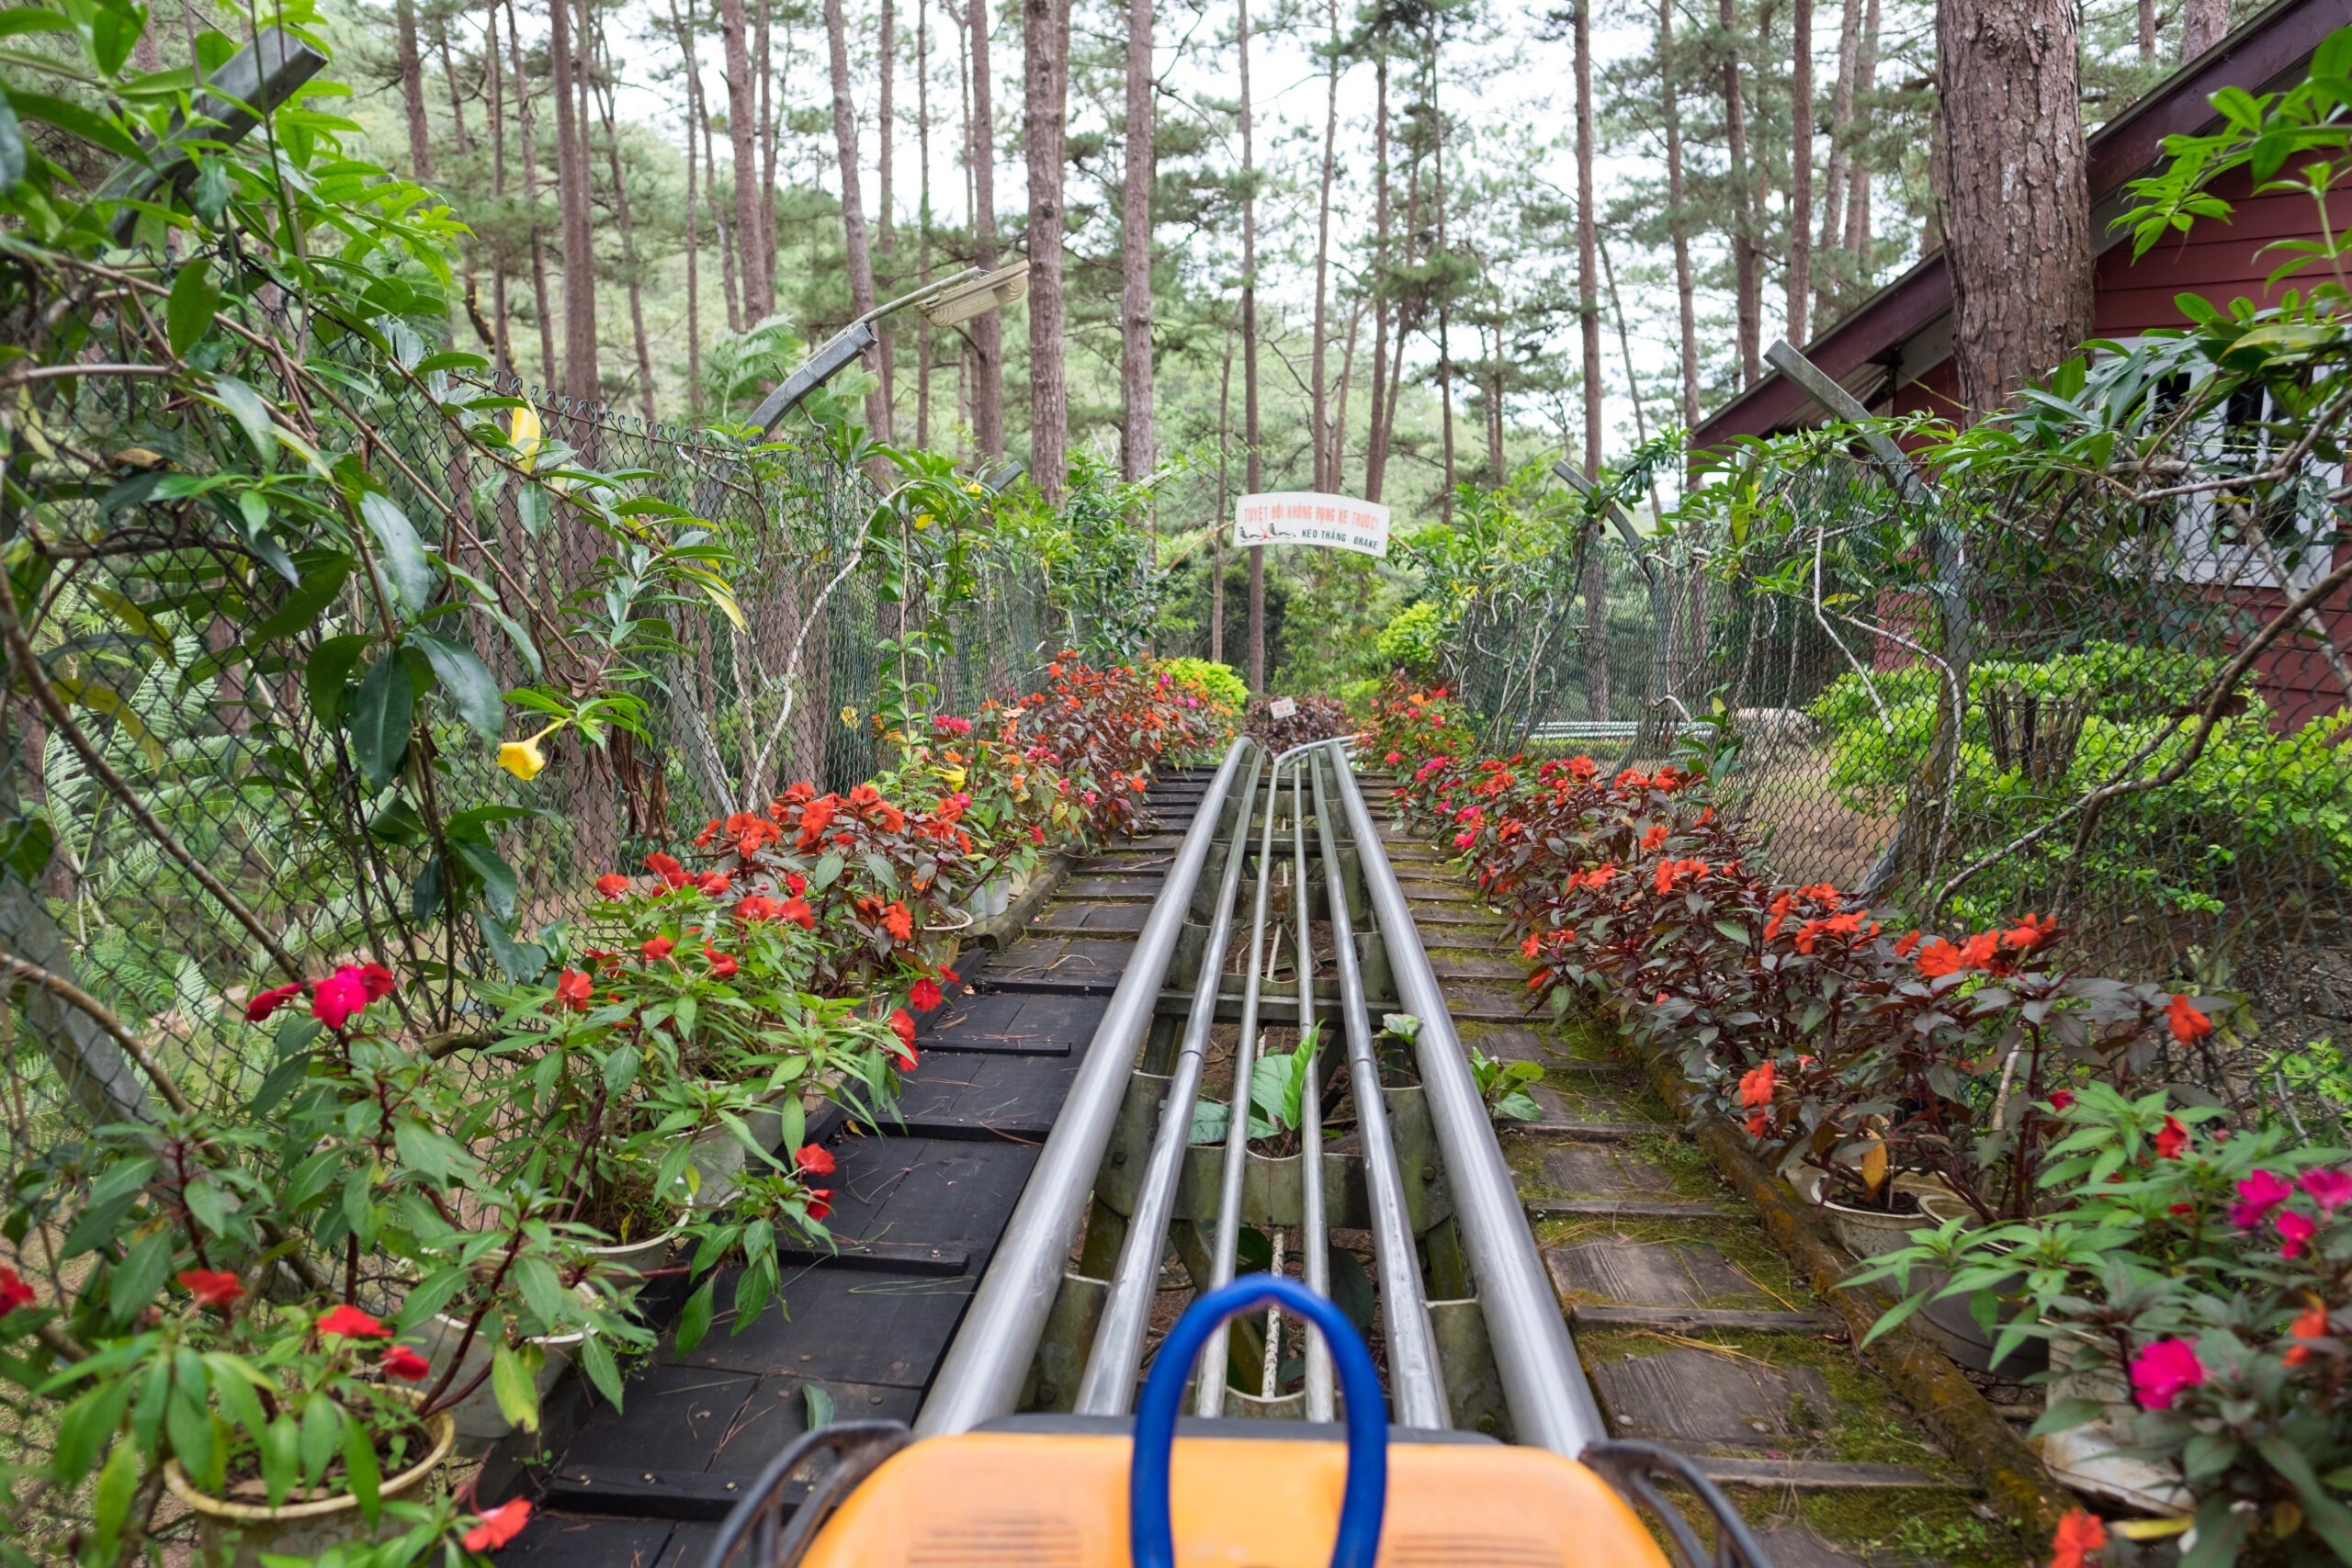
1939 958
341 997
213 1287
2295 1231
14 1291
2080 1540
819 1201
574 991
268 1002
903 1027
499 1526
2257 1195
758 906
2162 1371
2060 1099
2330 1190
667 868
794 884
1756 1087
925 995
2188 1023
406 1364
722 965
1654 838
1906 944
2309 1324
795 911
2172 1140
714 883
656 948
898 922
352 1323
950 975
814 1158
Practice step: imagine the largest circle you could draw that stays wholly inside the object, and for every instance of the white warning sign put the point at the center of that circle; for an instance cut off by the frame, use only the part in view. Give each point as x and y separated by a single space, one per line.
1306 517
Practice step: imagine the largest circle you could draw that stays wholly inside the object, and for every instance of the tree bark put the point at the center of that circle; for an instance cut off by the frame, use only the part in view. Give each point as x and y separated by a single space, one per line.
411 70
861 259
769 134
2019 232
988 328
1858 203
1376 449
1841 154
1800 133
2147 31
687 50
1746 269
2203 23
923 220
501 262
603 96
1677 217
581 379
1138 438
1045 74
1224 504
547 372
1340 412
1588 281
449 78
1251 458
1318 392
886 240
743 122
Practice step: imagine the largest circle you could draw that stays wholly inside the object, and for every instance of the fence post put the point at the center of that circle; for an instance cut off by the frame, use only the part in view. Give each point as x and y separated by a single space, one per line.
251 85
1948 566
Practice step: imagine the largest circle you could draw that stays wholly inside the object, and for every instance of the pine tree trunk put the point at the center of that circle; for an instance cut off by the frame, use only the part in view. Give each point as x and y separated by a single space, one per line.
1495 400
1138 438
1223 504
886 237
1800 133
531 199
1587 278
1445 299
770 130
603 96
742 124
685 32
450 77
1841 154
1340 413
501 262
1318 394
1044 29
1858 203
988 328
2018 233
1251 458
411 70
2147 31
2202 25
1376 449
583 376
1747 267
1677 217
861 260
922 210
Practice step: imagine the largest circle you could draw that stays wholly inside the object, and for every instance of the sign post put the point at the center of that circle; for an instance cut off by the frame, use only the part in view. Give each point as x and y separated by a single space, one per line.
1307 517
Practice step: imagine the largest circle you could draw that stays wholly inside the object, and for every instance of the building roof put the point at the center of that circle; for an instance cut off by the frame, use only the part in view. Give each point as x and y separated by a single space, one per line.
1904 329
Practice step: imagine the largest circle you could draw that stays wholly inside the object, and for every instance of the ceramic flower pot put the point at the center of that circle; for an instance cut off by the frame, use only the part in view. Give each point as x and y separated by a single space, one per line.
719 1157
478 1419
2088 1457
1867 1233
235 1535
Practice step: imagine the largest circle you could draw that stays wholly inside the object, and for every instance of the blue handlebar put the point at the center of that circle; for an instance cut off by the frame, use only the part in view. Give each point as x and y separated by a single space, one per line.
1151 1540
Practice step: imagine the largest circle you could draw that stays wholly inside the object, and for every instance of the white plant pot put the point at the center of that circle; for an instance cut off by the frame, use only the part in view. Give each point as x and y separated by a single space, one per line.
1865 1232
2088 1458
719 1157
478 1419
235 1535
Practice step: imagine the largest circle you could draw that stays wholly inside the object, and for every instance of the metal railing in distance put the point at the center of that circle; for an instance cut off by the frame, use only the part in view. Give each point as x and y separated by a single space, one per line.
1416 1381
1552 1406
1108 1385
979 1379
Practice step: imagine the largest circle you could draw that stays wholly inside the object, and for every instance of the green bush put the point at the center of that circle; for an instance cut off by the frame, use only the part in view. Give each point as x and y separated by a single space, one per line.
1412 639
1218 683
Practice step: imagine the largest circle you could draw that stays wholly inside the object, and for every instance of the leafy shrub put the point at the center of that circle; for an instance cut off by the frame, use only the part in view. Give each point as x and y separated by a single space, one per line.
1217 683
1413 639
1309 719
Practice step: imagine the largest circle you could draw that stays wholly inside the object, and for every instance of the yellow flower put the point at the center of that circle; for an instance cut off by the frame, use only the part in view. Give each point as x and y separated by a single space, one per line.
848 719
971 487
529 436
523 758
923 520
955 777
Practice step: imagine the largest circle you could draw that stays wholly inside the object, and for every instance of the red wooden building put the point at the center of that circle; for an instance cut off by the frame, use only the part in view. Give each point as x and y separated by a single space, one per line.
1894 351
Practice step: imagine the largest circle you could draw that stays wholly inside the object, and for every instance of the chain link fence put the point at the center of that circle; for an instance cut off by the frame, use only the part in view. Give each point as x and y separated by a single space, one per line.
1995 698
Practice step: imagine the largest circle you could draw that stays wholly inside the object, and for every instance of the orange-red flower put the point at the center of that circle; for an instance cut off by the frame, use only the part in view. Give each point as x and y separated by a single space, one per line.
714 883
2080 1539
499 1526
898 922
213 1287
2188 1023
14 1291
656 948
758 906
795 911
406 1364
1903 947
722 965
1939 958
667 868
925 995
2309 1324
2172 1140
1756 1087
575 990
815 1159
903 1026
268 1002
819 1201
1654 838
352 1323
611 885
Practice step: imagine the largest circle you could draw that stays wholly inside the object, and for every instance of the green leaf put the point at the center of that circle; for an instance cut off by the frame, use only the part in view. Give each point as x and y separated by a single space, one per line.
210 191
510 1379
75 120
542 1292
12 145
244 405
361 1472
521 961
694 1320
189 1424
27 844
323 578
380 718
190 308
467 679
820 1406
321 1435
83 1428
139 1277
118 1488
500 885
596 1361
327 676
281 1459
405 562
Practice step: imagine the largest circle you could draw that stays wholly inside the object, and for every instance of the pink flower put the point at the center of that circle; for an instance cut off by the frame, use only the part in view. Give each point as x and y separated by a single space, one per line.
2295 1231
1463 840
341 997
2257 1195
2162 1371
2330 1190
